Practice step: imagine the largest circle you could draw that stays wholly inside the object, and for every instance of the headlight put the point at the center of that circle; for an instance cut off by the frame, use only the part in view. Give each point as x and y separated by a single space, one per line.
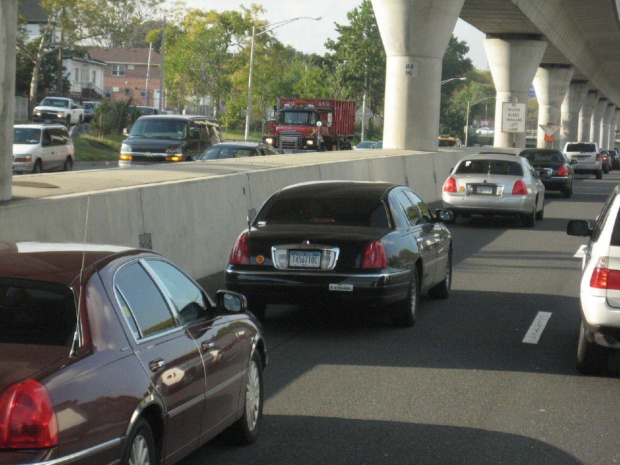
37 112
269 140
310 142
125 148
60 115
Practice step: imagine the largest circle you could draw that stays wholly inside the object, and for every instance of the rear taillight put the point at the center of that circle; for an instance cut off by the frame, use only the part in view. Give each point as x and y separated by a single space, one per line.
519 188
27 417
449 185
562 171
374 256
604 278
598 156
240 254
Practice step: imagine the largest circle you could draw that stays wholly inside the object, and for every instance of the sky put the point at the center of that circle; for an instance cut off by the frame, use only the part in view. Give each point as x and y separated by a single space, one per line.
310 36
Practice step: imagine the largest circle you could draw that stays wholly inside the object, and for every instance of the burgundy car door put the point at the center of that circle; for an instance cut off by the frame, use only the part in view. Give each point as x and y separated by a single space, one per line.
168 354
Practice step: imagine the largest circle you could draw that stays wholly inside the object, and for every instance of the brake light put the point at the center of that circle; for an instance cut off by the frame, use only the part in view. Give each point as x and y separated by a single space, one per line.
562 171
27 417
519 188
604 278
449 185
240 254
598 156
374 256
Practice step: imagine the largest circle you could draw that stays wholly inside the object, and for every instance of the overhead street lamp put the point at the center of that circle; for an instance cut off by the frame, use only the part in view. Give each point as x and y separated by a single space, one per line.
471 104
271 27
453 79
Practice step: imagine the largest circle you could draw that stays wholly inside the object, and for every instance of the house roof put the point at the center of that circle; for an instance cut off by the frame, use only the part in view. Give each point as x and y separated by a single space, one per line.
117 55
32 11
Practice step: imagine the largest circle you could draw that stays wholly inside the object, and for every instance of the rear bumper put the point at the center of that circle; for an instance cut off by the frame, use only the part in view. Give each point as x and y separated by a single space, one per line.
602 322
495 205
295 288
557 183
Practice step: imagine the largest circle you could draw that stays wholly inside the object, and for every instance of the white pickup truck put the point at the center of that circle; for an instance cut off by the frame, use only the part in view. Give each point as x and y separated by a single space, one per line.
62 110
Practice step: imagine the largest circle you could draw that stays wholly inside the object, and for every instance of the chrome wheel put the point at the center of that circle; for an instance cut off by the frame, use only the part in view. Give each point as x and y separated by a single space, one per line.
140 454
252 396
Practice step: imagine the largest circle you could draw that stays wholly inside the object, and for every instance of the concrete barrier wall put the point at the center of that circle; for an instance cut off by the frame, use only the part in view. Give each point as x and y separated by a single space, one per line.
196 221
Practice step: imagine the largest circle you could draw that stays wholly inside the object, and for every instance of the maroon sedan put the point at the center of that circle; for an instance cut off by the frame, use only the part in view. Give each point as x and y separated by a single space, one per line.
113 355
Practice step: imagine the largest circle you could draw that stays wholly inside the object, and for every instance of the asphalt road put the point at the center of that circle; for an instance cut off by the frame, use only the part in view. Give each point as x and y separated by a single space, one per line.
461 387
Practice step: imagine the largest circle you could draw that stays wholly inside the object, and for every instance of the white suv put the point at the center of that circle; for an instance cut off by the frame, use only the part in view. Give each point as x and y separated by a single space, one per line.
600 287
42 147
585 157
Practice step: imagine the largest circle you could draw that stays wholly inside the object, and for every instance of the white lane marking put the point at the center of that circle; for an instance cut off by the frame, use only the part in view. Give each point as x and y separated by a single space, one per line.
538 326
580 253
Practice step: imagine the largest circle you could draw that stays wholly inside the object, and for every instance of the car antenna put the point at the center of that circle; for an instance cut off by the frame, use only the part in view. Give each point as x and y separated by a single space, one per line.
77 337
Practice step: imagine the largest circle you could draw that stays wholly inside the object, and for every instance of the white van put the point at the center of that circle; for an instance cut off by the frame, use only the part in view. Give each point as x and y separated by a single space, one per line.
42 147
585 158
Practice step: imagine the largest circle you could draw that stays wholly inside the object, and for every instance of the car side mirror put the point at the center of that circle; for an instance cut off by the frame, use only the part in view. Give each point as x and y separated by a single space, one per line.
125 132
231 301
579 228
445 216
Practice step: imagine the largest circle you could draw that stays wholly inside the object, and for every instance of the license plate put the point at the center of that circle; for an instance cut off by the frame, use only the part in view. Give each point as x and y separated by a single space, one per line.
304 259
341 287
487 190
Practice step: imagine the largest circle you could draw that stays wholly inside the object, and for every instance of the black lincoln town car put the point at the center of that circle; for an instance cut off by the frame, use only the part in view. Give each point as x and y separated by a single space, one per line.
365 244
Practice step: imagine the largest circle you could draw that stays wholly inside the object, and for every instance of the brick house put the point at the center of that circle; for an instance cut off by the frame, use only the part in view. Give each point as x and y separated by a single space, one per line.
125 74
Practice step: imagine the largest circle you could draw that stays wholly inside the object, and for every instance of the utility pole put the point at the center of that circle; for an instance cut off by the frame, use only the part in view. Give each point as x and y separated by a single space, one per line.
161 78
8 40
148 72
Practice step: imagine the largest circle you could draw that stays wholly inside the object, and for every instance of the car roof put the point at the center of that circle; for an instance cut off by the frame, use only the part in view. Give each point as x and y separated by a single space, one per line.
185 117
540 151
364 189
492 156
239 144
51 261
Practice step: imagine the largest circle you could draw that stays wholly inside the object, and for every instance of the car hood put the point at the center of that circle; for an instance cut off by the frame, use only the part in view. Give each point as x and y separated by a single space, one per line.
46 108
21 361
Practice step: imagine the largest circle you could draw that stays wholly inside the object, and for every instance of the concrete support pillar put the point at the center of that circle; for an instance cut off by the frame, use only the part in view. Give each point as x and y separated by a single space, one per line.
415 35
8 37
513 60
613 127
585 115
551 83
605 122
571 106
595 122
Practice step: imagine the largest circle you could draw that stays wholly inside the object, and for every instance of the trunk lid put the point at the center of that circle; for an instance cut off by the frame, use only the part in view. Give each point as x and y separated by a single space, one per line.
21 361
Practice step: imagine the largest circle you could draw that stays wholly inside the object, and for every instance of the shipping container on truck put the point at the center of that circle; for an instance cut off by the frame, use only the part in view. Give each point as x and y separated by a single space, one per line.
313 124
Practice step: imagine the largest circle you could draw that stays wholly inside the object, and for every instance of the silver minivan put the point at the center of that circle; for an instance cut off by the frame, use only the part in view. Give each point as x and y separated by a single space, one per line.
42 147
585 157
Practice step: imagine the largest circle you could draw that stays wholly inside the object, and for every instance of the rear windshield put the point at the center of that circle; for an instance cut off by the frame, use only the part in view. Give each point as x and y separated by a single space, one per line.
580 148
216 153
510 168
35 312
327 211
544 157
159 128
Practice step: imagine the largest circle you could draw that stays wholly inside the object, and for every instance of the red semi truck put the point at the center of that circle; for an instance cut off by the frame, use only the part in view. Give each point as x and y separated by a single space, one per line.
312 124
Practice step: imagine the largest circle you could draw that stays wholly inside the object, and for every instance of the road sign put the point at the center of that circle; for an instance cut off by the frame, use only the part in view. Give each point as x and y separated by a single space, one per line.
367 115
513 117
550 129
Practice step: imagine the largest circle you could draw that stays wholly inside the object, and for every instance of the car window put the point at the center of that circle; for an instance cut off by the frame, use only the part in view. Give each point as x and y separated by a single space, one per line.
58 136
602 217
500 167
329 211
159 128
581 147
46 140
544 157
36 312
412 212
142 301
188 299
427 216
30 136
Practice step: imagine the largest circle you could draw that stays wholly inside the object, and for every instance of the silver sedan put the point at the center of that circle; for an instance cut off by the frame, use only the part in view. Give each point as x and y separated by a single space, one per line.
495 184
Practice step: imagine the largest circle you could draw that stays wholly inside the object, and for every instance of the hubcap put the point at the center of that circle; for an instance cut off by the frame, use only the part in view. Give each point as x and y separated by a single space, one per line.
252 396
139 452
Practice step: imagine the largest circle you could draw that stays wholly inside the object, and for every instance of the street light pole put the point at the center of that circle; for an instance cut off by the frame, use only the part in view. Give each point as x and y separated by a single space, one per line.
254 35
469 104
453 79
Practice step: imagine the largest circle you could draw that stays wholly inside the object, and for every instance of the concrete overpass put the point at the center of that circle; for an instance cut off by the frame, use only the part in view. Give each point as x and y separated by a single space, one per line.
567 48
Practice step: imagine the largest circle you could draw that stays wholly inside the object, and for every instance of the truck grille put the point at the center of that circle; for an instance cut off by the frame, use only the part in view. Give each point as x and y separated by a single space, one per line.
290 140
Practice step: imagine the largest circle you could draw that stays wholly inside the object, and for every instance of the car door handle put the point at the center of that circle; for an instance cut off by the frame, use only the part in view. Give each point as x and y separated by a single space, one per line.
156 365
207 346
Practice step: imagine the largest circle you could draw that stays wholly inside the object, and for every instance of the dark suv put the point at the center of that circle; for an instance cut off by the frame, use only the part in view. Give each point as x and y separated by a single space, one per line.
168 139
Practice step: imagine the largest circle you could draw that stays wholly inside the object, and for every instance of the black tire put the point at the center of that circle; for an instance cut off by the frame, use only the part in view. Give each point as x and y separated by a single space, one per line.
404 313
80 119
68 166
245 430
38 167
568 192
140 442
599 174
442 290
605 170
258 309
592 359
541 214
529 219
68 122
